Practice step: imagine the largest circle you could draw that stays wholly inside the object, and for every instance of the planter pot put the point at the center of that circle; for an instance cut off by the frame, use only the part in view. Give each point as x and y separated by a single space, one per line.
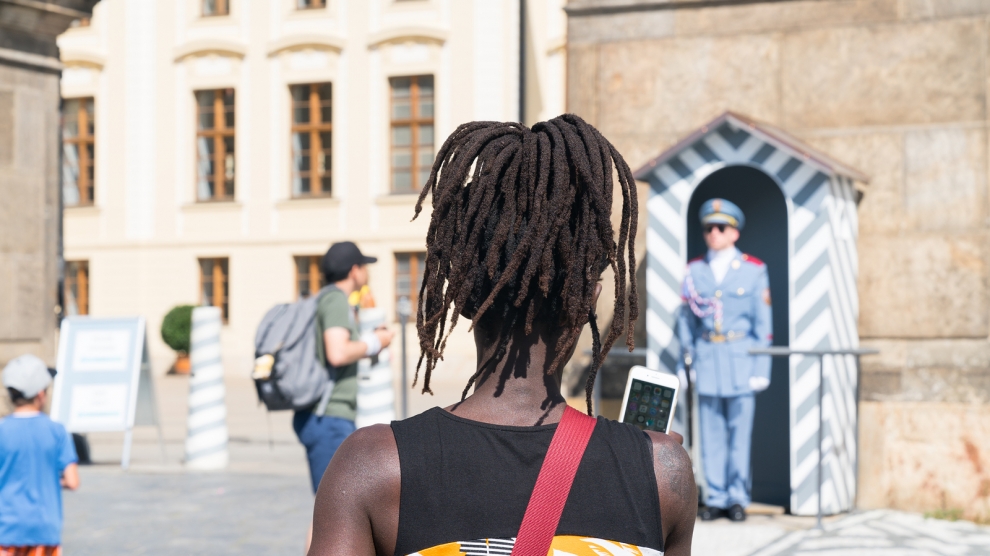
181 365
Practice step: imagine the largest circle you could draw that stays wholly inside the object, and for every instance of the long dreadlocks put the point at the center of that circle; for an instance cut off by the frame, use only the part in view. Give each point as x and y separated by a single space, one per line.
521 232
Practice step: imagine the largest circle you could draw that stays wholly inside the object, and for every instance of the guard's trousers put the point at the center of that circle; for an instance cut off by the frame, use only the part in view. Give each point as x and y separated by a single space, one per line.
726 435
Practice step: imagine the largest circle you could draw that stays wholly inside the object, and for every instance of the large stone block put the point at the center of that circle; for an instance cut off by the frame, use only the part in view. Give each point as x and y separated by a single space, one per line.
22 297
6 127
639 148
924 286
918 73
651 24
943 370
676 85
881 157
21 212
945 186
763 17
930 9
582 81
925 456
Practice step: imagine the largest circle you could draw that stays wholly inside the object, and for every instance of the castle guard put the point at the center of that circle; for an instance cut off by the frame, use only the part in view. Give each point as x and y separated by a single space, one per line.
726 312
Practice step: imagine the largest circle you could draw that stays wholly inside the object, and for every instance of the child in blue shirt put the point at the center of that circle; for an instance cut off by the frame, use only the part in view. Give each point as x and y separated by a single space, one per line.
37 459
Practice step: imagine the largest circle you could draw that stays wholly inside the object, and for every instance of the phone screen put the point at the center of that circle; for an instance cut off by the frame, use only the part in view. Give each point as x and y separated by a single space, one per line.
649 406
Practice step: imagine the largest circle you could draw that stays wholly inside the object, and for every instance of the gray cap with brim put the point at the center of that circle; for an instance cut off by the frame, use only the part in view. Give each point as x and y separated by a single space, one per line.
27 374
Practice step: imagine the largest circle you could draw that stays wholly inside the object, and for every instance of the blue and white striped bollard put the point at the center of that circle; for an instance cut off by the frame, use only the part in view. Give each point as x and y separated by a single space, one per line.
206 436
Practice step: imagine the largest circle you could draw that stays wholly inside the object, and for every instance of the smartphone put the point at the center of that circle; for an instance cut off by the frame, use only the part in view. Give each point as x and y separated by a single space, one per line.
650 399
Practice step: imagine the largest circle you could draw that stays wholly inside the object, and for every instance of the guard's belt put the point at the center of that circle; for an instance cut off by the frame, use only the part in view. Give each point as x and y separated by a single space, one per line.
730 336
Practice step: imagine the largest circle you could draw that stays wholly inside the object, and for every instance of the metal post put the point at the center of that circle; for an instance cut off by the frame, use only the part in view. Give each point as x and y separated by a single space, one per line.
821 413
781 351
522 62
859 377
125 458
404 308
596 395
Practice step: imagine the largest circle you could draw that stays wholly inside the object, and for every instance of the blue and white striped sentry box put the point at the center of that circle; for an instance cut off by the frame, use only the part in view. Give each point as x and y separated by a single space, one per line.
823 303
104 377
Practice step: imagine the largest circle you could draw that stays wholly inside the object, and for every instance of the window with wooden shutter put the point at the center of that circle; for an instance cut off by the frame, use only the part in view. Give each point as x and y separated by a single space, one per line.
216 7
409 269
309 276
78 151
411 132
310 4
76 294
215 145
214 282
312 139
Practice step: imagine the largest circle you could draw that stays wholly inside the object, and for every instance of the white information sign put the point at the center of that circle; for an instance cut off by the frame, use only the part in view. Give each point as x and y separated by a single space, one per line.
104 378
98 406
102 350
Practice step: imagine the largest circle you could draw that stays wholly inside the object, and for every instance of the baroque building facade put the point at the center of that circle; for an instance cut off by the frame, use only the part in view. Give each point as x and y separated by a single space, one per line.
214 149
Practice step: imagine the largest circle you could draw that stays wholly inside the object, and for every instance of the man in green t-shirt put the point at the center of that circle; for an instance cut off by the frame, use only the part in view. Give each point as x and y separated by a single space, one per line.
340 345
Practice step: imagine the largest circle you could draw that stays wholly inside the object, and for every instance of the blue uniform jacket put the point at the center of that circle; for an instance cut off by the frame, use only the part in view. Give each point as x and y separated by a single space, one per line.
720 355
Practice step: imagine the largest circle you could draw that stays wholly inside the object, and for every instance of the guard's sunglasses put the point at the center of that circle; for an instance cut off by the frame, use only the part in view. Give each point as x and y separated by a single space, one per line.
709 227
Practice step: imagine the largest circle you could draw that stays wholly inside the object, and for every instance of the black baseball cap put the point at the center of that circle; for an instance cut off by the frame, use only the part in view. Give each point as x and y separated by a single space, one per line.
341 257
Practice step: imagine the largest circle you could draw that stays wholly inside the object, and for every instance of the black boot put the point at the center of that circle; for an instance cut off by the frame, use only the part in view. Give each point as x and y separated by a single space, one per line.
737 513
708 513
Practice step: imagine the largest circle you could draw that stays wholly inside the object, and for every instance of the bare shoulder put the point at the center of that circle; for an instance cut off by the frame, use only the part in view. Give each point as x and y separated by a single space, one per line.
677 490
370 440
367 459
672 463
357 504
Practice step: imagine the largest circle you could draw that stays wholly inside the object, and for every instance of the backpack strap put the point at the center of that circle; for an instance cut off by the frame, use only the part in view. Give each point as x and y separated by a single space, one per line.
321 406
553 484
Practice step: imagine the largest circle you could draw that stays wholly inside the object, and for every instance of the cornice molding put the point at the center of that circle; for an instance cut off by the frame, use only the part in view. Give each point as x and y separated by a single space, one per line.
397 34
592 9
30 59
82 58
556 45
322 42
209 46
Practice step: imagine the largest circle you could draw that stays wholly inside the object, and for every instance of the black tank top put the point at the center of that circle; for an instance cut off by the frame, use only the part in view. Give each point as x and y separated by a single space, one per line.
466 485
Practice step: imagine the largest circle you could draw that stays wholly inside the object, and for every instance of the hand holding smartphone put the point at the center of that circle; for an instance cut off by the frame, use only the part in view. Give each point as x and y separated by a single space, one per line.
650 399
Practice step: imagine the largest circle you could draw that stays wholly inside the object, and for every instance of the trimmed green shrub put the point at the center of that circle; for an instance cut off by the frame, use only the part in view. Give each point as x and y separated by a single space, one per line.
176 328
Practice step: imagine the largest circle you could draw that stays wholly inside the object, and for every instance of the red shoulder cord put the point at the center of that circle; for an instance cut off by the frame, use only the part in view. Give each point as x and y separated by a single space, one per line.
553 484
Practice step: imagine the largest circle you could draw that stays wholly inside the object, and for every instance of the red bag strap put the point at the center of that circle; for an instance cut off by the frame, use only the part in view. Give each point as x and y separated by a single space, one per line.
553 484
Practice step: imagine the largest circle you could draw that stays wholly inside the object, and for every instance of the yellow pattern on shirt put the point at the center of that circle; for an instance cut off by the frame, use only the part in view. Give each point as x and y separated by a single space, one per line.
566 545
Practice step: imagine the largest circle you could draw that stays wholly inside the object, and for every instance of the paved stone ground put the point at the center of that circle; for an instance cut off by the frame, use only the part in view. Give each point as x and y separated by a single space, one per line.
180 513
868 533
159 513
262 502
882 532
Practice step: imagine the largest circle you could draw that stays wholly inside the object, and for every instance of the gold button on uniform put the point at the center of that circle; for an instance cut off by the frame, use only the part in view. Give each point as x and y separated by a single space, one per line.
718 293
735 264
740 291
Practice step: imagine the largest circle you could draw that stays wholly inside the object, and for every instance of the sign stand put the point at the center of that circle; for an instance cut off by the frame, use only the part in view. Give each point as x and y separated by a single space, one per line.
104 379
146 411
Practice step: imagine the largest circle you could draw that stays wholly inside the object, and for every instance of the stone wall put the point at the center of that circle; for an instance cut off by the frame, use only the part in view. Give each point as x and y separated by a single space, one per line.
29 155
895 88
30 213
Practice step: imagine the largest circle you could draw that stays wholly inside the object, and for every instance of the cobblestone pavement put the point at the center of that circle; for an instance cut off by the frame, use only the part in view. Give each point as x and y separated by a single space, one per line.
185 513
882 532
262 502
244 513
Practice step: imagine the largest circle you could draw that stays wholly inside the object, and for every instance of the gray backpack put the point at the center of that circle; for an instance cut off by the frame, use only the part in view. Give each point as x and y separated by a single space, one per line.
287 372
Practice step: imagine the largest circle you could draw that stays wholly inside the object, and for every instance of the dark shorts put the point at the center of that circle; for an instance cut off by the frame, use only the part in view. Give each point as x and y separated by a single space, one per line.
321 436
